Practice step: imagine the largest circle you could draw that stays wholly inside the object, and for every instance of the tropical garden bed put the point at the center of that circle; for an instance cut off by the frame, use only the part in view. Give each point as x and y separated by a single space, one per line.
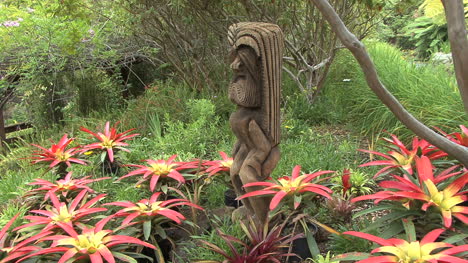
175 208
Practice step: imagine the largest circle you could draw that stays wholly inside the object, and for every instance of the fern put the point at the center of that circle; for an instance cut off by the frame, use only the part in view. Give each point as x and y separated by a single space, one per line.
14 157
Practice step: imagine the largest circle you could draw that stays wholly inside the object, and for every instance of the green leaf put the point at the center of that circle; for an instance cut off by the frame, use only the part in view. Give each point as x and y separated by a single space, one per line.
352 256
387 219
392 230
164 188
160 231
455 238
147 229
103 156
409 229
297 199
373 209
158 253
313 247
123 257
138 255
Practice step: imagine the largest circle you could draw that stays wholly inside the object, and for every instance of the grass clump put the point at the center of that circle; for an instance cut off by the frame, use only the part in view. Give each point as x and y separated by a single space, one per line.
428 91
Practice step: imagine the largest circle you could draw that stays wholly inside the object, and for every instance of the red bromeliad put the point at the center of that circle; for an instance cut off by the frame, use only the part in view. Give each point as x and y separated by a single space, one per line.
446 201
457 137
109 140
346 181
94 244
60 212
64 186
150 209
295 185
158 169
218 166
58 153
406 192
402 157
17 251
412 252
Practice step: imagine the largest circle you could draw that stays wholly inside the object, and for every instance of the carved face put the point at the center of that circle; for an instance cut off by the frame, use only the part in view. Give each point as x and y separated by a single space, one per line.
245 87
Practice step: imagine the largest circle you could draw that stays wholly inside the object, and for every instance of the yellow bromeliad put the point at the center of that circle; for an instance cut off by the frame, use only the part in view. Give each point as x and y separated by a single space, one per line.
448 199
149 209
217 166
293 185
62 213
157 169
93 244
401 251
88 242
109 140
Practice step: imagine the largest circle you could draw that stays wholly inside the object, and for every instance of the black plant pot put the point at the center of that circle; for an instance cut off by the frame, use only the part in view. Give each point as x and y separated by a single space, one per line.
300 248
164 245
230 198
110 167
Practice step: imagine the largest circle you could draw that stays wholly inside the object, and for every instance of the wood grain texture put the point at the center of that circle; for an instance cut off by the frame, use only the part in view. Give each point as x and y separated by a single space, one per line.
255 88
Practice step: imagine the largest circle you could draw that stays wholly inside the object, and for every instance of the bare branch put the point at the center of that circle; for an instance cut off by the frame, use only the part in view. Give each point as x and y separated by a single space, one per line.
359 52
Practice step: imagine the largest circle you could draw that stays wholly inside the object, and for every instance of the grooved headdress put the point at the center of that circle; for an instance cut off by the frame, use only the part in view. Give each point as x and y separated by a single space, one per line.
267 42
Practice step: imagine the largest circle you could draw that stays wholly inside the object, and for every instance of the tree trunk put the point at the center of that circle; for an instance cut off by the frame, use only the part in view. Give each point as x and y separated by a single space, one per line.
454 12
359 52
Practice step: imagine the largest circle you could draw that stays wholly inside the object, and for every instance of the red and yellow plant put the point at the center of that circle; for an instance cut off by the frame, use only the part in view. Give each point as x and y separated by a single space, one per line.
294 186
399 250
94 244
58 153
109 140
64 186
19 250
61 212
447 200
458 137
218 166
156 170
427 193
402 190
401 157
152 212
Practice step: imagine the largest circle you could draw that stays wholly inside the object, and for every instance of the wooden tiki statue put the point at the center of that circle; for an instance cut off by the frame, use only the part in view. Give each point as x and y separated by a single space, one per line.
256 61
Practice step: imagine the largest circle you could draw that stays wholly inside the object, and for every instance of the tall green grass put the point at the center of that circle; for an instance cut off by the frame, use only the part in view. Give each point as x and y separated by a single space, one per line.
428 91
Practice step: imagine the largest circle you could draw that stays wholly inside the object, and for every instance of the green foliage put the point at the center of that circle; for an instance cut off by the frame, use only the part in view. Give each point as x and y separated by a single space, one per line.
323 111
428 37
418 25
213 196
196 252
202 135
160 100
361 183
325 259
396 15
340 244
318 147
13 157
419 88
63 54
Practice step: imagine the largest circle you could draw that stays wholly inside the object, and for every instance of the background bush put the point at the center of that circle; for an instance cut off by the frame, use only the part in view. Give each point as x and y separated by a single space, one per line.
428 91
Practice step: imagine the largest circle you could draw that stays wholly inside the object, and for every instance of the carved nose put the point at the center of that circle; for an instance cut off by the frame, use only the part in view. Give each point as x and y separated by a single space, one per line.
236 64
